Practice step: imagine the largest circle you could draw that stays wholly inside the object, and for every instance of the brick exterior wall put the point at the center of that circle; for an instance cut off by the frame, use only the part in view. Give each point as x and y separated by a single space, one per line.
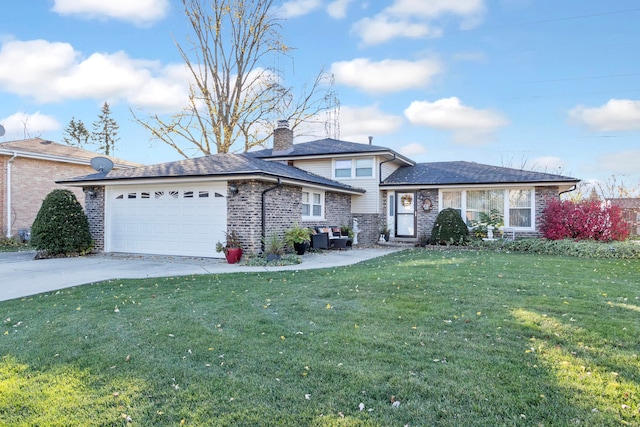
94 209
426 219
31 181
244 211
370 226
337 212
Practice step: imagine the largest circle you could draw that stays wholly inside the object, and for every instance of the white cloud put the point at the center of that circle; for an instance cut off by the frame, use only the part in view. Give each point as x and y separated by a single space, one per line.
413 150
380 29
387 75
140 12
358 123
415 19
22 125
53 71
615 115
338 8
470 126
295 8
620 163
435 8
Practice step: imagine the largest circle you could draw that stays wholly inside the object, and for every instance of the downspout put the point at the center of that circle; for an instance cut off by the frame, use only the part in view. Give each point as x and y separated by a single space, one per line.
9 194
264 212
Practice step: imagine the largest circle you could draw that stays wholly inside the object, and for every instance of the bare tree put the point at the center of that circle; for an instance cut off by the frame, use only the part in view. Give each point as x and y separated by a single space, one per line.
76 134
615 187
236 94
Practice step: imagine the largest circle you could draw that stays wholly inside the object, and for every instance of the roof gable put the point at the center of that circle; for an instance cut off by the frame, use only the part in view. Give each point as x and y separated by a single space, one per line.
460 172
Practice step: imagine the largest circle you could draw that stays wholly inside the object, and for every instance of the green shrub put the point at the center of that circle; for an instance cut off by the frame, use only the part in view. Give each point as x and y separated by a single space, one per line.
568 247
61 226
449 229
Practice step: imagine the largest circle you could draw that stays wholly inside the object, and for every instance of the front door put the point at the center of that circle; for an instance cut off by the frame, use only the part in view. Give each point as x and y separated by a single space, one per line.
405 214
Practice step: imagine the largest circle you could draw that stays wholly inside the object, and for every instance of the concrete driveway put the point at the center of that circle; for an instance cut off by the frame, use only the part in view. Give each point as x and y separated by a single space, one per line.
21 275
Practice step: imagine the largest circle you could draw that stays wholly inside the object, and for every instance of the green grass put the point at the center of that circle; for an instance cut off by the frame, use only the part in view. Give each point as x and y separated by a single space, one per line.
458 337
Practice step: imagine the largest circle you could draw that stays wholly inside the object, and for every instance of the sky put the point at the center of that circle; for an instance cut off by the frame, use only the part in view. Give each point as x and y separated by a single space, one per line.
545 85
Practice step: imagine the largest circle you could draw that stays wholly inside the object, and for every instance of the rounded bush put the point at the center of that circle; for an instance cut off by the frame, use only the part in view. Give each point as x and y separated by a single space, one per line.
61 226
449 229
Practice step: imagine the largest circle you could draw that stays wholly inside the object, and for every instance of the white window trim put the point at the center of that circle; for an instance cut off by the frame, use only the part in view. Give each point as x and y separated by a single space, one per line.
463 202
322 204
353 161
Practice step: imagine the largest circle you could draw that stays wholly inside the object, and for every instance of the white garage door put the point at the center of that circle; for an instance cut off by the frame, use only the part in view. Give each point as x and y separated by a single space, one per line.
181 219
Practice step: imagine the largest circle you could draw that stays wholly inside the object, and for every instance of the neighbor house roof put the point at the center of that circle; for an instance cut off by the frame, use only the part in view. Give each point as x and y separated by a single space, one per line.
468 173
329 147
37 148
220 165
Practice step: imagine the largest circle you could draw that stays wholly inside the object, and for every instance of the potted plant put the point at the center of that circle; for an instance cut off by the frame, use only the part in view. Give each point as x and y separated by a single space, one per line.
273 247
297 237
232 248
384 231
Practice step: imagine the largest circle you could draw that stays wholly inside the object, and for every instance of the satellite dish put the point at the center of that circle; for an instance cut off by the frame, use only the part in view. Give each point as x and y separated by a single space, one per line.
101 164
1 130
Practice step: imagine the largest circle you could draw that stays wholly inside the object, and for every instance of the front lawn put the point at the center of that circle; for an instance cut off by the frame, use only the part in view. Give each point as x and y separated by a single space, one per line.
455 338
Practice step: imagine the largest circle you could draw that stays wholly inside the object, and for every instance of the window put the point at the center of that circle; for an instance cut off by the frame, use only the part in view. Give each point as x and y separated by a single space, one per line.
520 208
484 202
452 199
514 206
364 167
350 168
312 204
343 169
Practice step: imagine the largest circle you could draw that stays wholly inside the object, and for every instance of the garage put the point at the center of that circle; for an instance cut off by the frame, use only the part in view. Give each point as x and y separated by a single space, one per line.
169 219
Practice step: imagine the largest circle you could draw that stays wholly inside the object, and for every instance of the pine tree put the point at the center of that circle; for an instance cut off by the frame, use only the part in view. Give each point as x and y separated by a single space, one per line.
105 131
76 134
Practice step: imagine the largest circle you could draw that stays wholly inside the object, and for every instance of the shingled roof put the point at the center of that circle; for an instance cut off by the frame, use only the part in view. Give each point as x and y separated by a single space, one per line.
48 150
460 172
223 165
329 147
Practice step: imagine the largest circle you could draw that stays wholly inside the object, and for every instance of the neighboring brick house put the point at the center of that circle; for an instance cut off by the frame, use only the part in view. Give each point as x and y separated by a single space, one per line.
185 207
630 212
29 170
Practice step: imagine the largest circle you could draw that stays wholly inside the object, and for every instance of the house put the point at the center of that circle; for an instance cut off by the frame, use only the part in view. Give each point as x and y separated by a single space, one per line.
29 169
185 207
630 212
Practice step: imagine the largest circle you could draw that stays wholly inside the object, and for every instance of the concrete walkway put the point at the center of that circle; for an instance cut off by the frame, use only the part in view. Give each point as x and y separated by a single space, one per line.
21 275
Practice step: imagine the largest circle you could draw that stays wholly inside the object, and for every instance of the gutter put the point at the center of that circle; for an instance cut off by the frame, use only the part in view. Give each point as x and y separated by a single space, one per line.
568 191
9 194
264 213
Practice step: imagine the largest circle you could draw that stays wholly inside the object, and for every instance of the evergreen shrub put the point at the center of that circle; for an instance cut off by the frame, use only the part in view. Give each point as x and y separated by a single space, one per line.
449 229
61 226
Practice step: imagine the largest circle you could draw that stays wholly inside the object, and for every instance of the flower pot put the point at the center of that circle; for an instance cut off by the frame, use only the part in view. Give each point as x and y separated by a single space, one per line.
300 248
233 255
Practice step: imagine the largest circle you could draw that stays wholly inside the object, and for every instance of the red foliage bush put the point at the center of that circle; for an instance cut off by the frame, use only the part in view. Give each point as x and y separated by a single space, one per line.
587 220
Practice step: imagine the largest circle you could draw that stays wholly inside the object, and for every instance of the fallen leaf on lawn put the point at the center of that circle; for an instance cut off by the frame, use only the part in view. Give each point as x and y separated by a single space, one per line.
328 306
361 406
395 404
126 359
307 396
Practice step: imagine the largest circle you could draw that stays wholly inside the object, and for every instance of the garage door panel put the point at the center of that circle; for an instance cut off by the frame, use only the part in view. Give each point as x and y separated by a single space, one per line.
171 220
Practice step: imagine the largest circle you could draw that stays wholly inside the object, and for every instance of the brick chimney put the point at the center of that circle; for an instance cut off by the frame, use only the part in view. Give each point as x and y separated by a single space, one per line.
282 138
